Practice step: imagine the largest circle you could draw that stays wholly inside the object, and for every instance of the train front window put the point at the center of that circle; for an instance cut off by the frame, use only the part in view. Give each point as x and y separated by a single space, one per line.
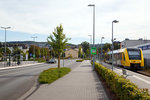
134 54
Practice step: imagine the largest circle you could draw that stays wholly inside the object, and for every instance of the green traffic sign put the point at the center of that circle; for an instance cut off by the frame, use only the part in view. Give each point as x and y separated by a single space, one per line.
33 55
93 51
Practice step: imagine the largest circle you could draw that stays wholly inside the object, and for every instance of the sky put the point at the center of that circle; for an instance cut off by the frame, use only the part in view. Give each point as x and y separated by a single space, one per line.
28 18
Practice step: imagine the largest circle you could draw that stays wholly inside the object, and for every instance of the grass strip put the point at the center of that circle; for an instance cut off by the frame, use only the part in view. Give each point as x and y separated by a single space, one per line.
52 74
80 60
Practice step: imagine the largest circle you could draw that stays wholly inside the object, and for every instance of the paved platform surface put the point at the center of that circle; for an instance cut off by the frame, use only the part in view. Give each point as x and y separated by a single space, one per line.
80 84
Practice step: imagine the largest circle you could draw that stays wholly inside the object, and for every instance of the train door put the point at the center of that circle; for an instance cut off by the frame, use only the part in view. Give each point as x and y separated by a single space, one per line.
123 59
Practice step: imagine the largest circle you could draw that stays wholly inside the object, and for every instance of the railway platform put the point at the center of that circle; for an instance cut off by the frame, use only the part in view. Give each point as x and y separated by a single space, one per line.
142 81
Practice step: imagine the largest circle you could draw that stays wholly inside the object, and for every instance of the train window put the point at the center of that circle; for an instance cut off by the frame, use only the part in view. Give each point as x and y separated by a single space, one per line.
134 54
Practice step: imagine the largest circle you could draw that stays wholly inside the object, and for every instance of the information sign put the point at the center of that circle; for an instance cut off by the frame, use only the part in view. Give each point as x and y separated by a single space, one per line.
93 51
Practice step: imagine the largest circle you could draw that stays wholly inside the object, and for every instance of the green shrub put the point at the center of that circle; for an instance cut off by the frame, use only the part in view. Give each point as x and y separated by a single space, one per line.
124 89
40 60
80 60
52 74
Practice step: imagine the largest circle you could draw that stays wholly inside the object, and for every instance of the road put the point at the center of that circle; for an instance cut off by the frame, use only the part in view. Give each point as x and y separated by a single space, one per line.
16 82
140 80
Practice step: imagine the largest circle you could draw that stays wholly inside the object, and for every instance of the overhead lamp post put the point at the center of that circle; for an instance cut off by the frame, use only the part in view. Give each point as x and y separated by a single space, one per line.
93 5
34 47
5 28
101 48
90 44
114 21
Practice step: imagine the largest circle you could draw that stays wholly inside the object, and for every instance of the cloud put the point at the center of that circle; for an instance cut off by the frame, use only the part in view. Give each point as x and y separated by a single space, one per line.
38 16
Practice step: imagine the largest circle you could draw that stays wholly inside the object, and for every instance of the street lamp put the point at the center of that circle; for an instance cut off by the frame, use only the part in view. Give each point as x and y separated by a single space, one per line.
101 48
90 44
34 46
114 21
5 28
92 5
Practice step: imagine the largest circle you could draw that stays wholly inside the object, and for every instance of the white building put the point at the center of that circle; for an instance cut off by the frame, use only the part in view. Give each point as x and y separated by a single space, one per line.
131 43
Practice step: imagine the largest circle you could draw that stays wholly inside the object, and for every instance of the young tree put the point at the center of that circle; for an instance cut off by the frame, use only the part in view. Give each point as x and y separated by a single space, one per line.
58 42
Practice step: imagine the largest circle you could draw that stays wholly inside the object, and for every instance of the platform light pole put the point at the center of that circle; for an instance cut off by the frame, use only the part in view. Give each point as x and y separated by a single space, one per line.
93 5
101 48
5 28
114 21
34 46
90 44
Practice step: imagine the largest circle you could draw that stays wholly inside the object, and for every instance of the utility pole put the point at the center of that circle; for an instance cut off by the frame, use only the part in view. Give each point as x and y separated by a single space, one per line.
114 21
93 5
5 28
101 49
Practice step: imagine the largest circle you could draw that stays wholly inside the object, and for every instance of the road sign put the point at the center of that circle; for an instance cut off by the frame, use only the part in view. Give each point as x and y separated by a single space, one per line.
33 55
30 54
93 51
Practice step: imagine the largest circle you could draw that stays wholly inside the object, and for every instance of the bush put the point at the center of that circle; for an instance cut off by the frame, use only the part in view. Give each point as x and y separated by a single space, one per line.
52 74
124 89
80 60
40 60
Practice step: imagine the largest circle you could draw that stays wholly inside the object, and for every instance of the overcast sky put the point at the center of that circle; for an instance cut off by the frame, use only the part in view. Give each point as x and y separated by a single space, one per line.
33 17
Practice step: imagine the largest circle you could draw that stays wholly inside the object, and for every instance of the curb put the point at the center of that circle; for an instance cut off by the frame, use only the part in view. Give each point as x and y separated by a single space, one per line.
144 73
5 68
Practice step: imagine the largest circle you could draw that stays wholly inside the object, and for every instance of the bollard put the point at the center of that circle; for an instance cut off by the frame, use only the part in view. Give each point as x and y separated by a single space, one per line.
124 72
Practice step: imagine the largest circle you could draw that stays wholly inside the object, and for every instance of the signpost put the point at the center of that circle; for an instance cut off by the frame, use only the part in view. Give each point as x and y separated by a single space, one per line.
63 56
93 51
33 55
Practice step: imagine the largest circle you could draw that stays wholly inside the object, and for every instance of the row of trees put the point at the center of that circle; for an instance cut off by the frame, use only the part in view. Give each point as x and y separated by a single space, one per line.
2 51
39 52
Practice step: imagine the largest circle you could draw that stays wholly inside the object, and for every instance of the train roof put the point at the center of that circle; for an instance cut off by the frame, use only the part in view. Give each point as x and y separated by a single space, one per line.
121 50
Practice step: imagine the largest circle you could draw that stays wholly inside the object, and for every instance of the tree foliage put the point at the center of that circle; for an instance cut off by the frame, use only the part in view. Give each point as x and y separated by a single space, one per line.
86 47
2 51
80 52
58 42
37 50
107 46
116 46
16 50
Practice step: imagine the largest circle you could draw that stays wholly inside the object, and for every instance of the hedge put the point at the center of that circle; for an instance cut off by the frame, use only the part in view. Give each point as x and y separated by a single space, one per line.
80 60
122 87
52 74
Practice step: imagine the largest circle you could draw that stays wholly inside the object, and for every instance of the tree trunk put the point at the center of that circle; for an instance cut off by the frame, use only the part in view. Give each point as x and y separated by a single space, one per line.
58 61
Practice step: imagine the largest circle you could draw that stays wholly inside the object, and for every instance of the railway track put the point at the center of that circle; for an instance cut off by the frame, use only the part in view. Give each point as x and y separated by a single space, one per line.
140 72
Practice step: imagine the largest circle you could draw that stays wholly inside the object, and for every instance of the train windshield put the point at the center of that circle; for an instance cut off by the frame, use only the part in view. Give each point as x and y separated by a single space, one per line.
134 54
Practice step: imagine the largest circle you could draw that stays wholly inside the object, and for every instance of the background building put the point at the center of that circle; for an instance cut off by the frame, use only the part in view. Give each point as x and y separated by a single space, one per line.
71 52
130 43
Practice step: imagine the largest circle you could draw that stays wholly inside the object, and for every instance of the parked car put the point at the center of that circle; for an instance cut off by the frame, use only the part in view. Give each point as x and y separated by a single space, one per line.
51 61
